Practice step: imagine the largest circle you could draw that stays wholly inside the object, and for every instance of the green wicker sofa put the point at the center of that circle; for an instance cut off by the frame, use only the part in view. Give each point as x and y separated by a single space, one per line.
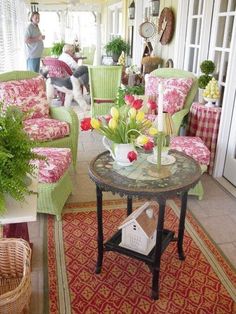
9 81
51 195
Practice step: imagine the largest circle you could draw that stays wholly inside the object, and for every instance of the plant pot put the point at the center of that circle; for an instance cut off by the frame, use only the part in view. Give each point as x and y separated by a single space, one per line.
115 57
200 95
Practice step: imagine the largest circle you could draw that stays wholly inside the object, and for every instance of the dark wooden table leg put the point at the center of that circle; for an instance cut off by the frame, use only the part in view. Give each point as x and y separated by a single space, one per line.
100 230
183 208
157 257
129 205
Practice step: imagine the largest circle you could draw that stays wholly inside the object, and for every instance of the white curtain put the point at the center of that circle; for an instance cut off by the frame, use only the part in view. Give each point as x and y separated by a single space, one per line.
13 22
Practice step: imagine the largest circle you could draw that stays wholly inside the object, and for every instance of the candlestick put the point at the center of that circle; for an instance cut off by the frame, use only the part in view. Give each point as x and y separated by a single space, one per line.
159 148
160 108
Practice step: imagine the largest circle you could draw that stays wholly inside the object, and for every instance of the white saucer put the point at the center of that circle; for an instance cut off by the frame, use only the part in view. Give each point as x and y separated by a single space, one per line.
165 160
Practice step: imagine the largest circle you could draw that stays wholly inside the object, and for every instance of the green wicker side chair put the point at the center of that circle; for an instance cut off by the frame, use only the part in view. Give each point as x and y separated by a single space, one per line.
175 73
104 83
88 52
58 113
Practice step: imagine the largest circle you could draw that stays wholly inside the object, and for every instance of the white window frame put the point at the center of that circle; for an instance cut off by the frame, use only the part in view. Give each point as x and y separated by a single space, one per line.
114 20
13 22
228 104
183 47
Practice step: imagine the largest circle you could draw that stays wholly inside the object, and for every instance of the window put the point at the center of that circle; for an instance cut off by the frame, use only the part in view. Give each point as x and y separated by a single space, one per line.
115 20
13 21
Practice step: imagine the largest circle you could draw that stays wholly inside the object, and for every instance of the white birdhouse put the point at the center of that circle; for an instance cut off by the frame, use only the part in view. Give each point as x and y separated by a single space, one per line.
139 229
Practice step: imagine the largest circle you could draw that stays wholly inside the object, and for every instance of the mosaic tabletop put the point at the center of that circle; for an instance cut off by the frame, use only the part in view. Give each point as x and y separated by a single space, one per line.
142 177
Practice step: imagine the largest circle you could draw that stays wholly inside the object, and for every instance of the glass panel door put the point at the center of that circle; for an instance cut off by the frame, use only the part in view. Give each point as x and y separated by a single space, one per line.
220 45
230 161
198 32
211 34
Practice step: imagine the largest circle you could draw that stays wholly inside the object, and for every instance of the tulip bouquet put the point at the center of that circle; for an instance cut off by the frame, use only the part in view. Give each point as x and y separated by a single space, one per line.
126 124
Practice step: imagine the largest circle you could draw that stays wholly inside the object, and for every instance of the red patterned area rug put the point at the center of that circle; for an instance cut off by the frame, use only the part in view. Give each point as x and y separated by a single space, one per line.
203 283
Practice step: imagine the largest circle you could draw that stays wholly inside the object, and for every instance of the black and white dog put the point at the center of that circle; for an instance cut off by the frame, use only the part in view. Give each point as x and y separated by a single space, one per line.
71 86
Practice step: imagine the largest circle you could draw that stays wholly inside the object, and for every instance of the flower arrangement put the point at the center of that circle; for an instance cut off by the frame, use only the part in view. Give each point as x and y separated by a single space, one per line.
76 46
126 124
128 90
133 69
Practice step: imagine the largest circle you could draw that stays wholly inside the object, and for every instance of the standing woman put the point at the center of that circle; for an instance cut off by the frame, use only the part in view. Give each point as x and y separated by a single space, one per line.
34 43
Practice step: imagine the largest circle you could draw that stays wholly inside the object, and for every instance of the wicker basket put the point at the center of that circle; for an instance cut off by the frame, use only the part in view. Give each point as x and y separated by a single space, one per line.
15 280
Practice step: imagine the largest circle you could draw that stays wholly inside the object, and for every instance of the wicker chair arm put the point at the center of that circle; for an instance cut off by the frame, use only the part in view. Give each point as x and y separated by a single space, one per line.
178 119
64 114
68 115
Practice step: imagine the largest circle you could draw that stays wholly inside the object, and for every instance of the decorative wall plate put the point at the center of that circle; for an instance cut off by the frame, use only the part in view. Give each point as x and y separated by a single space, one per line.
167 16
147 29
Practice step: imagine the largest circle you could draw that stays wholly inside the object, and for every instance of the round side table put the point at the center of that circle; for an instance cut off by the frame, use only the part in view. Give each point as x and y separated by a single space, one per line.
142 180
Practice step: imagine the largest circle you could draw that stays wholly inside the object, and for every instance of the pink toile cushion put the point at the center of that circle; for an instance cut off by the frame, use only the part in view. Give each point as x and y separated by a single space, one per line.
193 147
56 164
175 91
28 94
44 129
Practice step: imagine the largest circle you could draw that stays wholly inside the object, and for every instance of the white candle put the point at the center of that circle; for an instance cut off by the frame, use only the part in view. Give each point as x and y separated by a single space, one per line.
160 108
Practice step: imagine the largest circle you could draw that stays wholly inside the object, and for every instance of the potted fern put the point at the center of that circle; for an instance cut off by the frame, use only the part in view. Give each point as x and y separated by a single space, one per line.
15 155
115 47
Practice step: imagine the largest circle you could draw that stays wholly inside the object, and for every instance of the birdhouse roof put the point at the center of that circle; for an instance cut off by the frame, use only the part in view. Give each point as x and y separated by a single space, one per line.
140 216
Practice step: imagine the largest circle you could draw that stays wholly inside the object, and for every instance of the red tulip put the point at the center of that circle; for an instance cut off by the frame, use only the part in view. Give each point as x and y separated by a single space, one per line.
152 105
132 156
129 99
85 124
137 104
149 145
108 118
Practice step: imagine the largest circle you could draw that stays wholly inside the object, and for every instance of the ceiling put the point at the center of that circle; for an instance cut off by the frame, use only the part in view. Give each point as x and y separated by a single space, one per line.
71 4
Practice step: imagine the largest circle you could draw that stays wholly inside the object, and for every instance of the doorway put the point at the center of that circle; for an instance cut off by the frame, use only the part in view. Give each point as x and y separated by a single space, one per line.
230 160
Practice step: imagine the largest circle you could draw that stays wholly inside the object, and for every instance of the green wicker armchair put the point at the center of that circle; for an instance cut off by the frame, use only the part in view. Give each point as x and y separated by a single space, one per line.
104 82
179 116
58 113
175 73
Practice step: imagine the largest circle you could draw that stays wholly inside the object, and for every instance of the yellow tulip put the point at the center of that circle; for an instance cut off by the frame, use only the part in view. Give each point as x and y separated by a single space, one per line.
140 116
142 139
112 124
146 123
95 123
132 113
114 113
153 131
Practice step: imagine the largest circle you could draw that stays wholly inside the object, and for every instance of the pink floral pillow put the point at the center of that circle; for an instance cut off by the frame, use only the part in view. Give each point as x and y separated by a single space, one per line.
175 91
28 94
